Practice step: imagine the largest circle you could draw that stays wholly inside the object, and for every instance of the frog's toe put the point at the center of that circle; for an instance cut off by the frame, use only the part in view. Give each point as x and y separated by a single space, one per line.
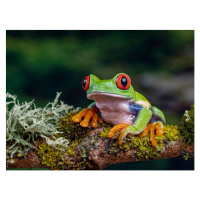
87 117
100 120
123 131
157 127
94 122
152 140
146 130
115 128
87 114
78 117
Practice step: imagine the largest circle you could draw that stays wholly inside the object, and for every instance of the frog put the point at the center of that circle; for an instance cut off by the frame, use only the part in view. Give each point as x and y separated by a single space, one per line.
119 105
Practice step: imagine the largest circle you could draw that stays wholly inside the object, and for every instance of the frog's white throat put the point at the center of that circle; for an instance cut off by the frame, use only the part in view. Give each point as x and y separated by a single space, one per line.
114 108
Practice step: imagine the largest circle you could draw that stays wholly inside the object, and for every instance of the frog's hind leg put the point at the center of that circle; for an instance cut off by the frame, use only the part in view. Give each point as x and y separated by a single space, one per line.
157 115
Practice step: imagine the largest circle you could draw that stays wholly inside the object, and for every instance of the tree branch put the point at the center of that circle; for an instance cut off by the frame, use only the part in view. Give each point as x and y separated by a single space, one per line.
97 152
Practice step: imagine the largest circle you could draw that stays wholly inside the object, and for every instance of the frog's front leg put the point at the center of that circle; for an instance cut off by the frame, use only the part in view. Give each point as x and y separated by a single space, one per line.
139 125
87 114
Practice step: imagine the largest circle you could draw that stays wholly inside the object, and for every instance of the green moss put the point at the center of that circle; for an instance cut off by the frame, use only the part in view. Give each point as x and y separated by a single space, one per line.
50 156
186 126
185 155
77 135
57 159
19 155
81 152
144 149
171 133
72 147
142 145
106 130
81 143
70 130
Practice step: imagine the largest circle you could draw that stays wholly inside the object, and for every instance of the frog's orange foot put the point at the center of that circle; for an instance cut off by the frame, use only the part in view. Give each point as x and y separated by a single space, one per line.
120 127
87 114
157 127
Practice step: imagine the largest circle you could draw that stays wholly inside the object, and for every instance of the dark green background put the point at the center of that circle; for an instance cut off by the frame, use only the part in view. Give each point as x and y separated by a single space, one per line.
41 63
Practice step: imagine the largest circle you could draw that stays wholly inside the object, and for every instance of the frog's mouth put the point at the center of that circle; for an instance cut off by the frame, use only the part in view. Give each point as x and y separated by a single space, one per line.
94 95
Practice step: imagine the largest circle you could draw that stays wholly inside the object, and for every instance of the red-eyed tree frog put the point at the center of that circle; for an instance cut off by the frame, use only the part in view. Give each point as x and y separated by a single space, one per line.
120 105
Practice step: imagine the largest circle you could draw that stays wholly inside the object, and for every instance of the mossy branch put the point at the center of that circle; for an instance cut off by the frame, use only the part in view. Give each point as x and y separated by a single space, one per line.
90 154
71 146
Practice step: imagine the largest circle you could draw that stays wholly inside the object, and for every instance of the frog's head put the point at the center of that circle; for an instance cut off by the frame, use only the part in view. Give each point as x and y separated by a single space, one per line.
118 87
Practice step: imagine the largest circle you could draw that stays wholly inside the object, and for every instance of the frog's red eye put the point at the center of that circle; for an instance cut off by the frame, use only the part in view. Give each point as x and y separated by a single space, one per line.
123 81
86 83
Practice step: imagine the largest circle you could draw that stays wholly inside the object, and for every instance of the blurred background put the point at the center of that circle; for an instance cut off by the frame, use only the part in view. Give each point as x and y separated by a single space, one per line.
159 63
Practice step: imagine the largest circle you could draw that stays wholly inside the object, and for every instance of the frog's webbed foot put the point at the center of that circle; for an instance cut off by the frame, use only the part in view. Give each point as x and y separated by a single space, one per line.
124 131
87 114
157 127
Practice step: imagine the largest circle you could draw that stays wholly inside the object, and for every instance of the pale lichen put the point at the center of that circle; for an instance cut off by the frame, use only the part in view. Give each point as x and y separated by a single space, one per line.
186 126
25 123
59 143
187 117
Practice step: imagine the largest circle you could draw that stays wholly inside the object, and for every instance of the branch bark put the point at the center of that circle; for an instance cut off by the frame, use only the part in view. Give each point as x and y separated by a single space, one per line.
97 157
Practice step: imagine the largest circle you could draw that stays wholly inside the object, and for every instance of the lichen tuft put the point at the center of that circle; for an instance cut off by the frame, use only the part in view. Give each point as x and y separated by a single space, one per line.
186 126
25 123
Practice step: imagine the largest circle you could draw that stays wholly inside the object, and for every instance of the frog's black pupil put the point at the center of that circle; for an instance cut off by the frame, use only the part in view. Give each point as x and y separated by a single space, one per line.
124 81
84 83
